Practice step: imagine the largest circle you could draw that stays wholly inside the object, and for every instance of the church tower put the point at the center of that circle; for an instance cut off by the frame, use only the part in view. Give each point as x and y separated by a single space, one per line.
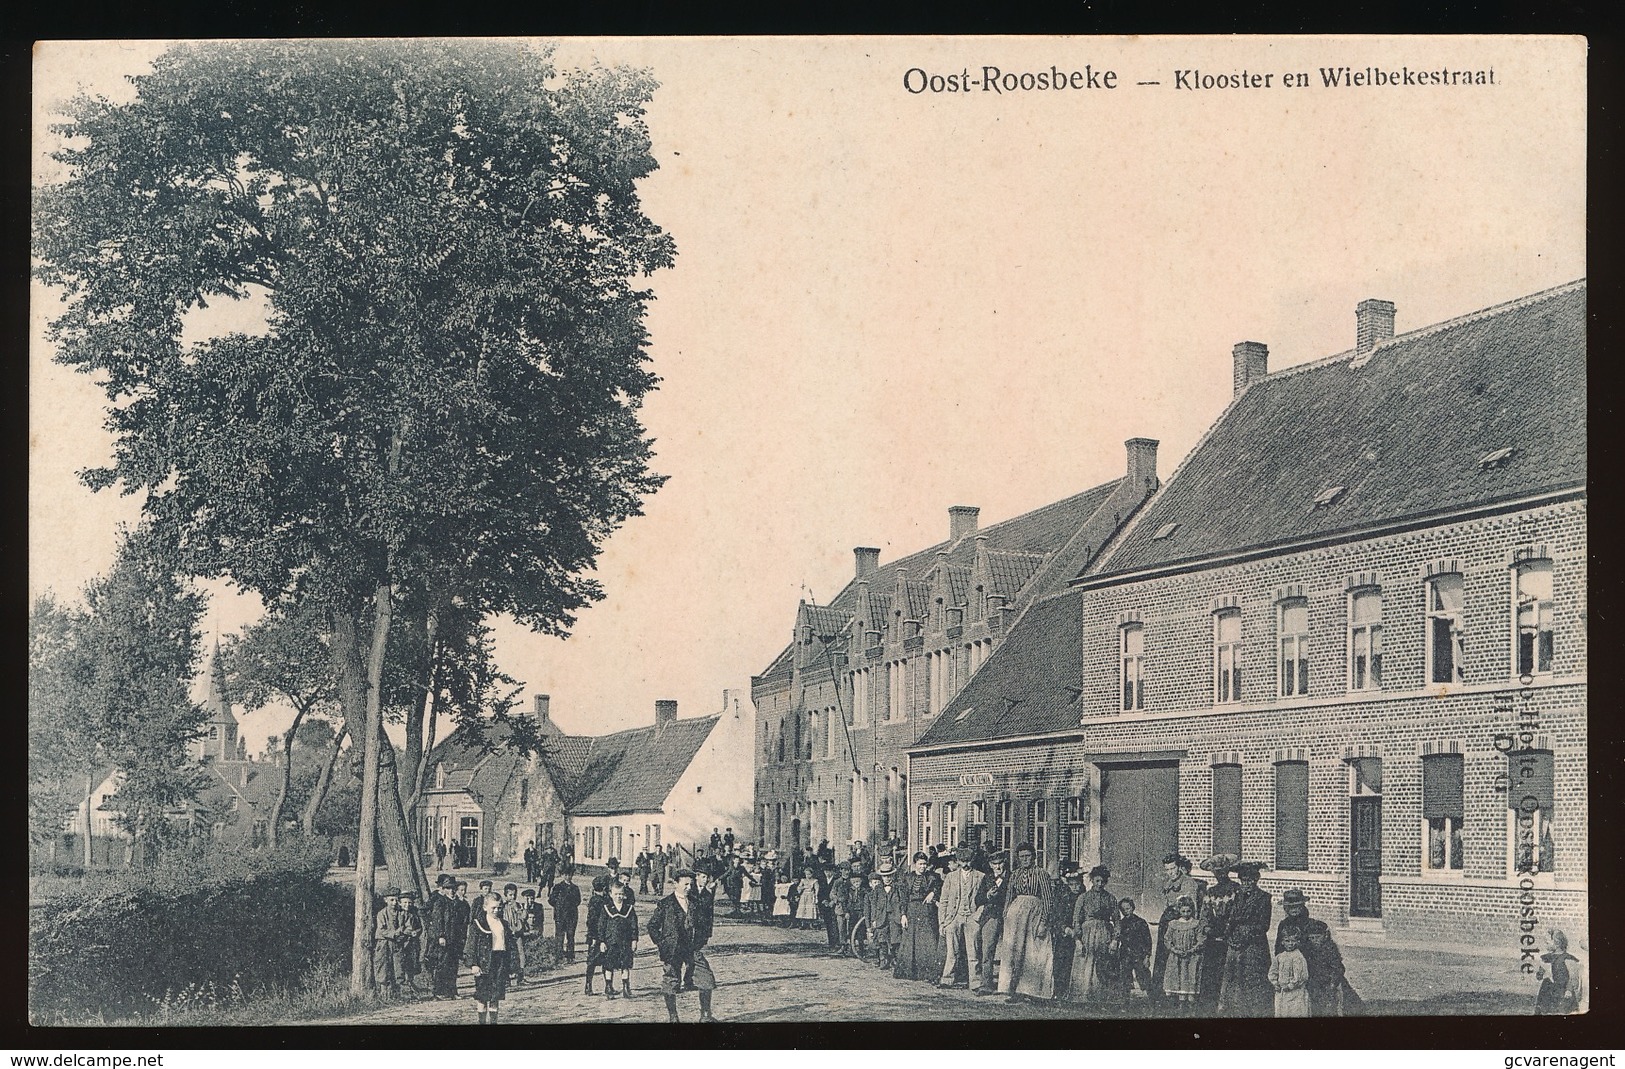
218 738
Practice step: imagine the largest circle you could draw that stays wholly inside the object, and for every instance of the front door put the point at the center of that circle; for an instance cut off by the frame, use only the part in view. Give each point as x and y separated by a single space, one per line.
1365 868
1139 826
470 838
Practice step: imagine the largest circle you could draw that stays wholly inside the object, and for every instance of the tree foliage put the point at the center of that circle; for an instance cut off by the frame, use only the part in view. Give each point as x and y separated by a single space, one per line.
63 753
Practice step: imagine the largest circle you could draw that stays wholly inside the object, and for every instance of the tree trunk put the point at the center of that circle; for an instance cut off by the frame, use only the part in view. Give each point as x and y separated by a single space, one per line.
273 825
416 713
404 867
90 791
318 794
353 695
404 857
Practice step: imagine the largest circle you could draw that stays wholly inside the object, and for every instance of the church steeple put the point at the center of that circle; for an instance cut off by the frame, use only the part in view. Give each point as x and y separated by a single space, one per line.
218 740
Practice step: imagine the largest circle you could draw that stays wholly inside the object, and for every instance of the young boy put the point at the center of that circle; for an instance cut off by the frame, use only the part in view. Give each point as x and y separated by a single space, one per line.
1133 950
1289 975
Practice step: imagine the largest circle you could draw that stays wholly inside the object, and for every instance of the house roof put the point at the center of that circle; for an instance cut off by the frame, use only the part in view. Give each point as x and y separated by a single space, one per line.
634 771
1030 537
1028 685
1407 432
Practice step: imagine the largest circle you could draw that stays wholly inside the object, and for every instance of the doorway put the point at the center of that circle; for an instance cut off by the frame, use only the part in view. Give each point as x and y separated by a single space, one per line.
1139 825
1365 865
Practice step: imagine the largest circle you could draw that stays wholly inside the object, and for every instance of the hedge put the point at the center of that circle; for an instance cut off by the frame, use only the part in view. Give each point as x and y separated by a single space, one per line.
119 943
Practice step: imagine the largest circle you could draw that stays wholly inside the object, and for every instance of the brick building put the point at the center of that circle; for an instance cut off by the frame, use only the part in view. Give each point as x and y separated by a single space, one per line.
866 675
1346 639
608 795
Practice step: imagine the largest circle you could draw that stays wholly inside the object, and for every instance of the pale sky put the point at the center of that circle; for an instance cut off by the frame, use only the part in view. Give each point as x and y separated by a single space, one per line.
887 303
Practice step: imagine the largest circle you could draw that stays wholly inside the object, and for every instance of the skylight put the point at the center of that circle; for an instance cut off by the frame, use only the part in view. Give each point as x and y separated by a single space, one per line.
963 713
1165 531
1328 495
1497 458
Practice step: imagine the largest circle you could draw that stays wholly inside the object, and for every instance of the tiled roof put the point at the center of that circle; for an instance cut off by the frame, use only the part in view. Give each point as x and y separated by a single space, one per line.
919 598
1406 433
1042 531
879 609
459 780
959 584
826 620
1011 571
634 771
1028 685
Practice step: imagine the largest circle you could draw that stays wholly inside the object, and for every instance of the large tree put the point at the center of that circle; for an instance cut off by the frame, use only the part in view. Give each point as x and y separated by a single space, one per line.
64 755
445 393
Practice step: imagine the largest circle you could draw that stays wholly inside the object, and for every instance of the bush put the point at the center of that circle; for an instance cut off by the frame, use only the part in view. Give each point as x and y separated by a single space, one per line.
120 943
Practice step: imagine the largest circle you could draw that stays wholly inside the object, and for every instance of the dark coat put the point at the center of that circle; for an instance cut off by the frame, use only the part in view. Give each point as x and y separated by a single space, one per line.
477 951
457 932
705 914
675 931
565 898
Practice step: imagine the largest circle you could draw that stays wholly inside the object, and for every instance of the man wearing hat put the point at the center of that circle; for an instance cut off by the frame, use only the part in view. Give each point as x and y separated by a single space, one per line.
385 947
409 940
990 925
674 927
885 914
442 936
1246 990
963 899
1177 883
600 895
565 898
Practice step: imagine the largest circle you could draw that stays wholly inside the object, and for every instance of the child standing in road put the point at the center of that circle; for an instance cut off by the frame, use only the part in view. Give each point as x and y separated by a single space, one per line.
1289 975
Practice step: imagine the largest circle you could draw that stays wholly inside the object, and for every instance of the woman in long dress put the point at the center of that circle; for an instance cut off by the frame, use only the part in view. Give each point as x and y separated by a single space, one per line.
1094 924
917 953
781 900
1026 952
807 902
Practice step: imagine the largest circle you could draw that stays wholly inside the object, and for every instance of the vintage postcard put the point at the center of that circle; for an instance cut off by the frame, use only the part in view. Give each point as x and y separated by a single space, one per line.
808 530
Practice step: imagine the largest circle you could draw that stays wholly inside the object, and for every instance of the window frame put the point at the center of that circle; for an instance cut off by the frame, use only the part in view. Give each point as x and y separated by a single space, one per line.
950 823
1372 631
1548 632
1227 691
1292 672
1303 800
1038 830
1451 828
1131 682
1431 616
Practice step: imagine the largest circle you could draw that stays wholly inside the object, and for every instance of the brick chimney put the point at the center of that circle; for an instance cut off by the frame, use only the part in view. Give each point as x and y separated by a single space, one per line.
1373 323
1252 362
868 560
1142 463
544 710
665 711
962 521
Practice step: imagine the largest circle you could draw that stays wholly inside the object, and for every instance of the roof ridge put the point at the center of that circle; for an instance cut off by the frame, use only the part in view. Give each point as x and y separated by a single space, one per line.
1475 316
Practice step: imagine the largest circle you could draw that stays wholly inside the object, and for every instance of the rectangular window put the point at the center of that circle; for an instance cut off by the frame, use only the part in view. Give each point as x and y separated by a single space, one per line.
1292 815
1132 642
1442 811
812 734
933 685
1038 821
615 840
1365 640
1227 809
860 697
1532 788
976 826
950 823
1294 638
1227 657
1005 831
897 691
1533 617
832 736
1446 637
927 831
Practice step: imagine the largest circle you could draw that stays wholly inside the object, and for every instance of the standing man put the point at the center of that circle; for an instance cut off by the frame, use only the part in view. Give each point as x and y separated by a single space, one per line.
1296 921
385 947
565 898
643 863
963 898
716 840
440 853
530 862
990 926
673 929
409 941
1061 929
444 938
728 841
659 865
567 856
548 865
1177 883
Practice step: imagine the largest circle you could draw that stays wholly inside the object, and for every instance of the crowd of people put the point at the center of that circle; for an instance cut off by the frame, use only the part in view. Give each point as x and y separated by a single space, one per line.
966 918
962 918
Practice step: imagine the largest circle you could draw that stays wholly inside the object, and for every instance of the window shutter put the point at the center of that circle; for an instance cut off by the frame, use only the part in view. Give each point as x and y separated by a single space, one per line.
1368 773
1292 815
1057 829
1227 809
1531 774
1441 786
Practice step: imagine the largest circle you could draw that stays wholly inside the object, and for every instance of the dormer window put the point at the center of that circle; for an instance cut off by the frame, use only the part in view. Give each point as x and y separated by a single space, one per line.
1498 458
1164 532
440 776
1327 497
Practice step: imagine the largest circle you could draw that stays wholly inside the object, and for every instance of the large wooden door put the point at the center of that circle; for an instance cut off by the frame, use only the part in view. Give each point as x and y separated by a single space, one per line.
1139 825
1365 866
